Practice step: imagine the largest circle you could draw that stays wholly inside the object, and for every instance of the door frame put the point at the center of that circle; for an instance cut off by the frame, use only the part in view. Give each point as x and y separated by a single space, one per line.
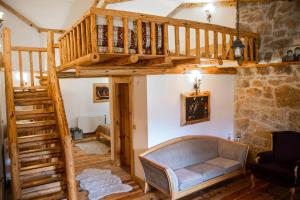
115 117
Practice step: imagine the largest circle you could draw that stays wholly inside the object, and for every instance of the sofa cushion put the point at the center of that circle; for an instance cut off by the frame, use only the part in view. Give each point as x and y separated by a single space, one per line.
187 178
226 164
208 171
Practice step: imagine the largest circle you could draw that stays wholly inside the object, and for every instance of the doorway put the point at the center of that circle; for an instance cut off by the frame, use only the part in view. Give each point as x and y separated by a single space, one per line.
122 118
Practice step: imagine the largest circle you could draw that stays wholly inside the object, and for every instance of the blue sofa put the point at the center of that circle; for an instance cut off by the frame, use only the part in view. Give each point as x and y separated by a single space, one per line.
187 164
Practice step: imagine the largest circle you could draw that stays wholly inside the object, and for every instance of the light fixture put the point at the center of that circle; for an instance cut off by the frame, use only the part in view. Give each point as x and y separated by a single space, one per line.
1 19
238 46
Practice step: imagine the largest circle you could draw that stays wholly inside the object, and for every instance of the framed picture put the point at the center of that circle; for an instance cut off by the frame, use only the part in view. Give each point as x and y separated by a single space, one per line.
101 92
195 108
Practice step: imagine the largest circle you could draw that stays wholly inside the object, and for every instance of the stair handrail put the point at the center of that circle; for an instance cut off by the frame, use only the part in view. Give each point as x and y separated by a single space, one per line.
62 124
11 115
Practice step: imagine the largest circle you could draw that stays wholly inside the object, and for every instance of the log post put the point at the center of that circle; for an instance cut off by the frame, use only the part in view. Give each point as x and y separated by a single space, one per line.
40 64
177 41
110 34
231 54
224 46
21 68
197 42
139 36
153 38
206 39
63 129
88 35
187 41
11 116
216 45
246 49
31 69
251 49
94 39
166 39
125 34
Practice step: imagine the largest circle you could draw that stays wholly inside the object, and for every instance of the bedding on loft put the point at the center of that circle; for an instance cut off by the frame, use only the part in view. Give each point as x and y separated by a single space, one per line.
118 36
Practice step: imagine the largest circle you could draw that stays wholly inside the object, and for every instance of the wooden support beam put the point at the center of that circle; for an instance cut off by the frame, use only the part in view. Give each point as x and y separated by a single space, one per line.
84 60
62 123
186 61
26 20
11 116
126 60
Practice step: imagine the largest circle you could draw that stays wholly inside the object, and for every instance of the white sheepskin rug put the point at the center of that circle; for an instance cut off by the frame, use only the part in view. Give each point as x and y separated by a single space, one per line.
100 183
93 147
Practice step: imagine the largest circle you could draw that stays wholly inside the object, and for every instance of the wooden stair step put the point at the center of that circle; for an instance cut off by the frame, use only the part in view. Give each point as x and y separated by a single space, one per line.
30 94
34 114
47 190
52 196
41 168
44 181
37 143
39 158
39 152
33 101
35 124
30 88
35 138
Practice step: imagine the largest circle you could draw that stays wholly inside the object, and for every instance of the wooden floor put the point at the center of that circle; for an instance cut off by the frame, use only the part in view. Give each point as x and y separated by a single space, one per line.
234 189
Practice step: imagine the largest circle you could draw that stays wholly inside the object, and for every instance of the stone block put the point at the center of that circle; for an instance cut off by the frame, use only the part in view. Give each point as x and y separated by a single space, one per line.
287 96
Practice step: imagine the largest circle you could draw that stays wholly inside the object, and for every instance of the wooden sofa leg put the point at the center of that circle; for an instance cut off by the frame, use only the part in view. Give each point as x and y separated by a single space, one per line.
146 188
292 192
252 177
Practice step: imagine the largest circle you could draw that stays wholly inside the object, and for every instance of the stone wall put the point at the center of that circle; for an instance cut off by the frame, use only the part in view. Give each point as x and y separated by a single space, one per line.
277 22
266 99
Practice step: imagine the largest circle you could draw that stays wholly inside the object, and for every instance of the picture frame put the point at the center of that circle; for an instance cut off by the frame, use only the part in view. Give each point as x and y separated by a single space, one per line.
195 108
100 92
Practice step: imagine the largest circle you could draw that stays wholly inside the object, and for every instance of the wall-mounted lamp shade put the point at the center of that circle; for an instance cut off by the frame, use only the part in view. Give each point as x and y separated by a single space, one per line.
238 48
1 15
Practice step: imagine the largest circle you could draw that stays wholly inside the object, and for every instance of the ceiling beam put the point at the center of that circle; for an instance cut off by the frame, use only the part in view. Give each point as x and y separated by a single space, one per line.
106 2
26 20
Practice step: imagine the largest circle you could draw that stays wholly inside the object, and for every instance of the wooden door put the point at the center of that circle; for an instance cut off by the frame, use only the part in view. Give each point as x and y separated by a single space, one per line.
123 96
122 122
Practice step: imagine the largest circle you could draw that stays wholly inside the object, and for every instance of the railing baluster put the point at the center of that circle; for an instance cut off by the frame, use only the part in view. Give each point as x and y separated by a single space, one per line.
231 55
71 46
125 34
94 39
21 68
187 41
83 38
110 34
246 49
153 38
40 64
177 41
31 69
60 53
257 50
68 48
206 38
251 49
216 45
88 36
139 36
74 38
78 41
166 39
224 45
197 32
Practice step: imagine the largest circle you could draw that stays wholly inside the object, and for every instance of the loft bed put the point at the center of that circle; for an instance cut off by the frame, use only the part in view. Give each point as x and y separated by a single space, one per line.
107 42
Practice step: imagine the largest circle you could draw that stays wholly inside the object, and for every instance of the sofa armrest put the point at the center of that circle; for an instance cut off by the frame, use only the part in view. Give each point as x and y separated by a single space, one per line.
266 156
233 150
159 176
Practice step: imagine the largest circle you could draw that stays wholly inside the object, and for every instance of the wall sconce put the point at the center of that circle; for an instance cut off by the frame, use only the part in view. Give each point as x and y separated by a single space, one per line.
1 19
196 75
209 8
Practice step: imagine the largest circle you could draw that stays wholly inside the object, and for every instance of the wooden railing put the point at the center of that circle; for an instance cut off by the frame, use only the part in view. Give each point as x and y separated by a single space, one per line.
198 39
11 116
62 124
21 53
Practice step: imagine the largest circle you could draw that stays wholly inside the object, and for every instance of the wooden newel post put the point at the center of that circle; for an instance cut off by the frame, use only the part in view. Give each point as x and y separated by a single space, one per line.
11 117
63 129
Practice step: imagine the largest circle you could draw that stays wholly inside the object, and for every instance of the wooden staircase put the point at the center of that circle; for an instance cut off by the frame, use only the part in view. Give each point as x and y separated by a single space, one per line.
41 164
40 145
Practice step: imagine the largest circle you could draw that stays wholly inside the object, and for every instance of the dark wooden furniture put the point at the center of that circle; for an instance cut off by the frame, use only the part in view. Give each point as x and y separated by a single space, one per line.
281 165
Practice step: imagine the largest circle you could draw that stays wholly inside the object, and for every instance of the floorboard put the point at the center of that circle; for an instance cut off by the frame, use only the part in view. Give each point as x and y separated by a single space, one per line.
234 189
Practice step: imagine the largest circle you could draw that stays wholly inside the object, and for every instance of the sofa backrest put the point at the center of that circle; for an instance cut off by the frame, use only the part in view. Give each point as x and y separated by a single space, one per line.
286 146
185 153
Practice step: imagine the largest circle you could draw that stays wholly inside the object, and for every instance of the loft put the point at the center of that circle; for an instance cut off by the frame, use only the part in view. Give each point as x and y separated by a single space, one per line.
110 42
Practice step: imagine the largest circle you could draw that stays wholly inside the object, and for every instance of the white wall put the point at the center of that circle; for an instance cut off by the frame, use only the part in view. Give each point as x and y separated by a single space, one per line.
77 95
139 113
163 97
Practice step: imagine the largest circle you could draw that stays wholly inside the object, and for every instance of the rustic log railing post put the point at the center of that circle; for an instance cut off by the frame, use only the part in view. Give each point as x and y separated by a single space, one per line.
61 120
11 116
